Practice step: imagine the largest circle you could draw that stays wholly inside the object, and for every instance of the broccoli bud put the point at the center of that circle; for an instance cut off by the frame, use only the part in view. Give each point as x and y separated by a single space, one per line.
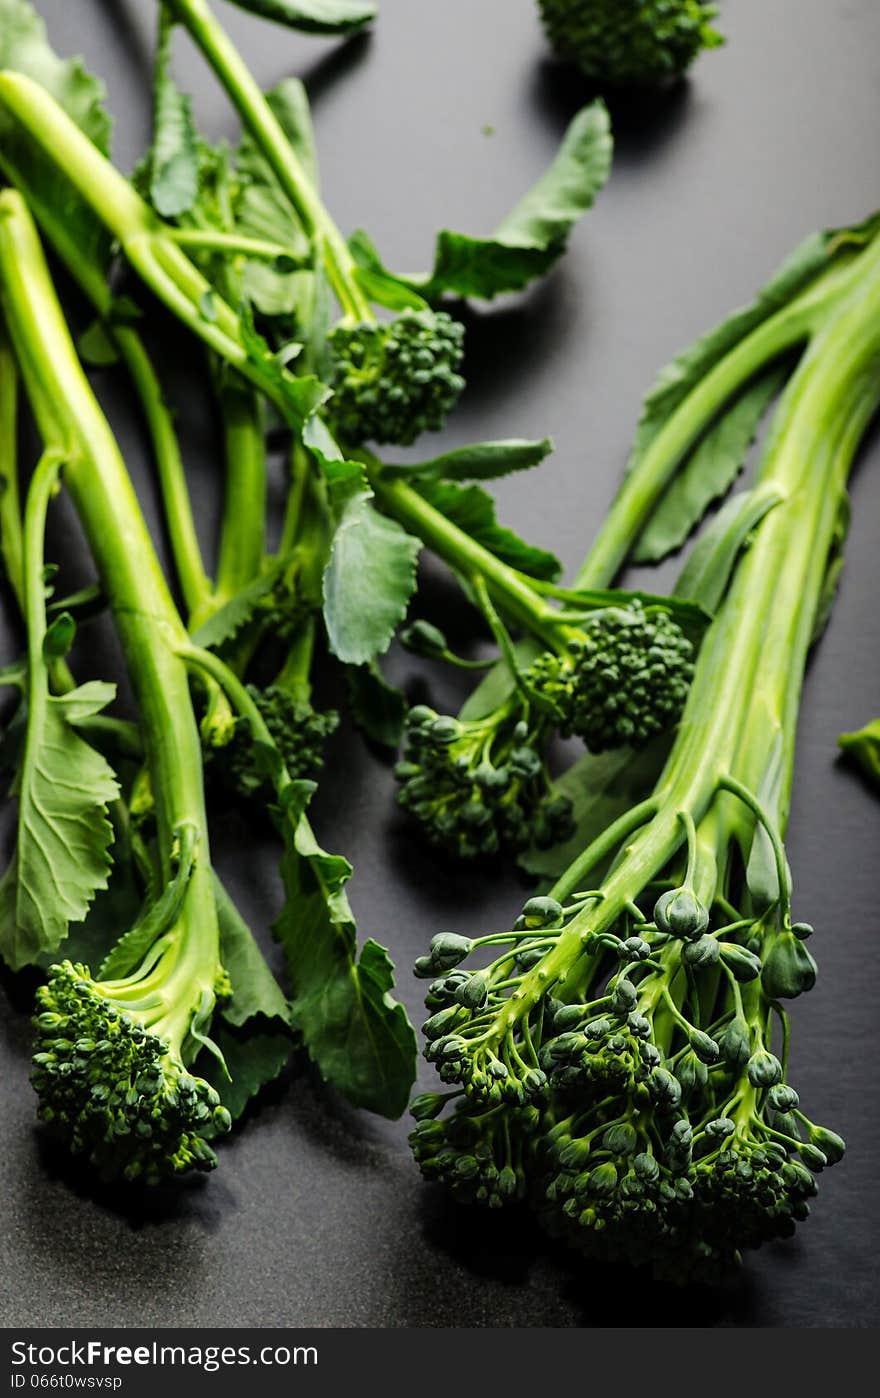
624 676
299 733
392 381
630 41
481 786
111 1079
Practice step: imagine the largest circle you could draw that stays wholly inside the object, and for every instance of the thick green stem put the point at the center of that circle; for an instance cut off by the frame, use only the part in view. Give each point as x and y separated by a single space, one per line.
243 531
150 629
269 136
212 240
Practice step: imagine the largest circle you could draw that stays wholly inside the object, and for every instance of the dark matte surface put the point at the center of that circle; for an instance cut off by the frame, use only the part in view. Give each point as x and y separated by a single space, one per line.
317 1217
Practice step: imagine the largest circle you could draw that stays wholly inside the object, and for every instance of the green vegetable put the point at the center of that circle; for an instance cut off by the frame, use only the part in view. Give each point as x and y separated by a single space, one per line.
864 748
612 668
394 380
680 462
630 41
624 1060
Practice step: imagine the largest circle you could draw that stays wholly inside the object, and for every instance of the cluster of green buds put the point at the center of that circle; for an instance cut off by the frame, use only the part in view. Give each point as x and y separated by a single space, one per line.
477 786
623 676
298 731
394 380
115 1090
478 1152
641 1093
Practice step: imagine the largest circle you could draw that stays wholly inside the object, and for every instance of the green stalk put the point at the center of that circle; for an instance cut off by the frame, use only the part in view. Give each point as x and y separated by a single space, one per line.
509 590
643 487
242 534
266 131
195 584
766 622
150 629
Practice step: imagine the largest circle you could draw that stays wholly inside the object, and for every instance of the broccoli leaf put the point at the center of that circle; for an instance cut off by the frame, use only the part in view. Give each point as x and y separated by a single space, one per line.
255 990
174 155
313 16
229 619
708 473
706 574
601 787
377 707
371 572
368 582
77 233
484 461
62 854
533 235
473 510
254 1056
357 1035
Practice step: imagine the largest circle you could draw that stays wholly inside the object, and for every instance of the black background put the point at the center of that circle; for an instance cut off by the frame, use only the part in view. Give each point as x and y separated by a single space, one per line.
316 1216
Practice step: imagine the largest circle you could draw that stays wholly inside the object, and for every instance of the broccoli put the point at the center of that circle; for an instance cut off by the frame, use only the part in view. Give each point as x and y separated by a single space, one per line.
481 785
392 379
610 668
624 1060
630 41
299 733
113 1057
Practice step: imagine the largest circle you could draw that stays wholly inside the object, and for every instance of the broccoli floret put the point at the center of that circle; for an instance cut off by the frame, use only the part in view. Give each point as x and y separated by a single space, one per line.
621 679
109 1067
630 41
394 380
481 785
478 786
299 733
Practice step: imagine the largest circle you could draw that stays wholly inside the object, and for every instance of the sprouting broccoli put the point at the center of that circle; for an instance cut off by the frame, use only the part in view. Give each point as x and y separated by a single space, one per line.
611 668
624 1060
299 732
481 785
630 41
392 379
115 1083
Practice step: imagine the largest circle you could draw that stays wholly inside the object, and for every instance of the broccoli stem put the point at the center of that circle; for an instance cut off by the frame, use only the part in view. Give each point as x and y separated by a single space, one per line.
243 528
150 629
510 590
195 585
642 488
268 134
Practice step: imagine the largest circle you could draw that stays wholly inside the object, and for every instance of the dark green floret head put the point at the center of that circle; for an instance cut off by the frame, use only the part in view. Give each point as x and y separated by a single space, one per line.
115 1090
394 380
625 677
480 786
298 731
630 41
